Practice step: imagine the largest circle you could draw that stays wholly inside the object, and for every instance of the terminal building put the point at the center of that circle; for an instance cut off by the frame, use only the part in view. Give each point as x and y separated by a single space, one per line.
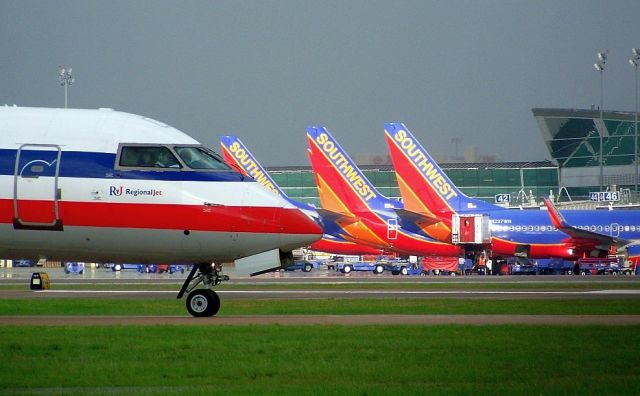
594 151
573 138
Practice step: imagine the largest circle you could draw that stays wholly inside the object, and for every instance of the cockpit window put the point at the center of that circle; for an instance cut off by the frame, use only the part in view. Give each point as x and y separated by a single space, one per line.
148 157
198 157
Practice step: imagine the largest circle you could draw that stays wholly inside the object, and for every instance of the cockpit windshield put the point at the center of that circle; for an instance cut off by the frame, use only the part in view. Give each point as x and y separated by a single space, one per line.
198 157
148 157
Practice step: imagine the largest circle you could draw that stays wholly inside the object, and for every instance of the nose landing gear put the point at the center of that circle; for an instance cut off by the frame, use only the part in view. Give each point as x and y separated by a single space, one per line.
203 302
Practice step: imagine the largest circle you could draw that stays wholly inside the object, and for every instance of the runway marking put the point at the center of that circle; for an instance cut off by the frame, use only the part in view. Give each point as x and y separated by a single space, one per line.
371 292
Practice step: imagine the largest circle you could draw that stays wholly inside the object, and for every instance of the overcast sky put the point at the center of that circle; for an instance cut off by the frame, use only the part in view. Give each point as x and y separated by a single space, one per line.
264 70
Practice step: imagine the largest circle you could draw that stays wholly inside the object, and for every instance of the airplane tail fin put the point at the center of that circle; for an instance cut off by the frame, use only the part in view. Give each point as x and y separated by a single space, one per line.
425 188
342 187
557 219
238 156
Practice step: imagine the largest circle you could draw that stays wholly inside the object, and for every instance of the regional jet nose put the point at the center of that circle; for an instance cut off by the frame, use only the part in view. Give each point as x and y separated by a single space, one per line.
297 229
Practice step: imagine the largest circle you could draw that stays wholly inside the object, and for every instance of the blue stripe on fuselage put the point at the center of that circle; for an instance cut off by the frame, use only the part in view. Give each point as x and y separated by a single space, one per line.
624 224
93 165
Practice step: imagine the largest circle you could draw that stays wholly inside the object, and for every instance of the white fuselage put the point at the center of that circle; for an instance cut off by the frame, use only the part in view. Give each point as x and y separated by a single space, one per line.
64 196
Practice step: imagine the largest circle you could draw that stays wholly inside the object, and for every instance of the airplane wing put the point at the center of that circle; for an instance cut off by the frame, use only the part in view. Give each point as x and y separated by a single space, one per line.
558 221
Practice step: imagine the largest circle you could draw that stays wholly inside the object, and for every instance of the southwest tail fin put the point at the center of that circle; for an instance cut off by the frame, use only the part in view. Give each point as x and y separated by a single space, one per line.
342 187
424 187
237 155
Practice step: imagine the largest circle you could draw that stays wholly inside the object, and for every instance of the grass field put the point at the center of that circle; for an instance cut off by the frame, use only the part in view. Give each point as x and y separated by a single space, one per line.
363 360
320 359
168 305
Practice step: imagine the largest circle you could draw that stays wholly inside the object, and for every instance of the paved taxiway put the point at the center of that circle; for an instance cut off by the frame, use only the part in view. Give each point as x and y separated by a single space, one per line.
315 286
340 285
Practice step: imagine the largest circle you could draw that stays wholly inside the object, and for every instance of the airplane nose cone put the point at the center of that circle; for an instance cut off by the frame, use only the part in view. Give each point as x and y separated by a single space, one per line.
275 216
297 229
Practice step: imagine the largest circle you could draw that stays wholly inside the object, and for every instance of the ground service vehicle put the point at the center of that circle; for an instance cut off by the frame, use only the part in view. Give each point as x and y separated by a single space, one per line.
363 266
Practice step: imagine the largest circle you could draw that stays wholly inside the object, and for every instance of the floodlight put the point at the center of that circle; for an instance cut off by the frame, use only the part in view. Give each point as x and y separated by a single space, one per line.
66 79
602 56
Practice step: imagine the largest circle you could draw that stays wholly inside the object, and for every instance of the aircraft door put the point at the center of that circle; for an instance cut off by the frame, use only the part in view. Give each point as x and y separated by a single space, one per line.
467 229
392 229
615 229
36 192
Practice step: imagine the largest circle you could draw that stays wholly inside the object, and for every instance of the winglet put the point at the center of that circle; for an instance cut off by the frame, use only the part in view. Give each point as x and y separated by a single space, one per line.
598 239
557 219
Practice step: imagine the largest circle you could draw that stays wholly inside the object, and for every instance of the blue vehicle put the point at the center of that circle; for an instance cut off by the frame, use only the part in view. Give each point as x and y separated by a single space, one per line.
521 266
173 268
73 268
365 266
555 266
24 263
304 265
603 266
406 268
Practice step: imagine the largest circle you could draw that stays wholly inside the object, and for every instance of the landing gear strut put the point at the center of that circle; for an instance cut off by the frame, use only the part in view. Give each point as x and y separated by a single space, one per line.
203 302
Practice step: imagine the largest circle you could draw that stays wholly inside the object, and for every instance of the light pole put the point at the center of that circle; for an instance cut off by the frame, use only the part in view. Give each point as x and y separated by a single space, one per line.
599 65
634 62
66 79
456 141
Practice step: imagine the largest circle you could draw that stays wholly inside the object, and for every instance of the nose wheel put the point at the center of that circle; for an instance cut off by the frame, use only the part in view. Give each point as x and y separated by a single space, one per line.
203 302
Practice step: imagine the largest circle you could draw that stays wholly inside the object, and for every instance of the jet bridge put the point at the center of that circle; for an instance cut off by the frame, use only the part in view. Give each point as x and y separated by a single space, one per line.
471 229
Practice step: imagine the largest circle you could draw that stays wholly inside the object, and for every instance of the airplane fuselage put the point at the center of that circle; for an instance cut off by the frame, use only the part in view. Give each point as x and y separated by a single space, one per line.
65 194
534 228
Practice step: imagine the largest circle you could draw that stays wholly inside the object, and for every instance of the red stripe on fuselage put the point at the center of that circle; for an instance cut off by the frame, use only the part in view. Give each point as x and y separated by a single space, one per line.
167 216
502 247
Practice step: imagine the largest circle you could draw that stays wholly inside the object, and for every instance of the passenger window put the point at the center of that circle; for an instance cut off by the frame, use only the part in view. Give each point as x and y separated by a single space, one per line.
148 157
